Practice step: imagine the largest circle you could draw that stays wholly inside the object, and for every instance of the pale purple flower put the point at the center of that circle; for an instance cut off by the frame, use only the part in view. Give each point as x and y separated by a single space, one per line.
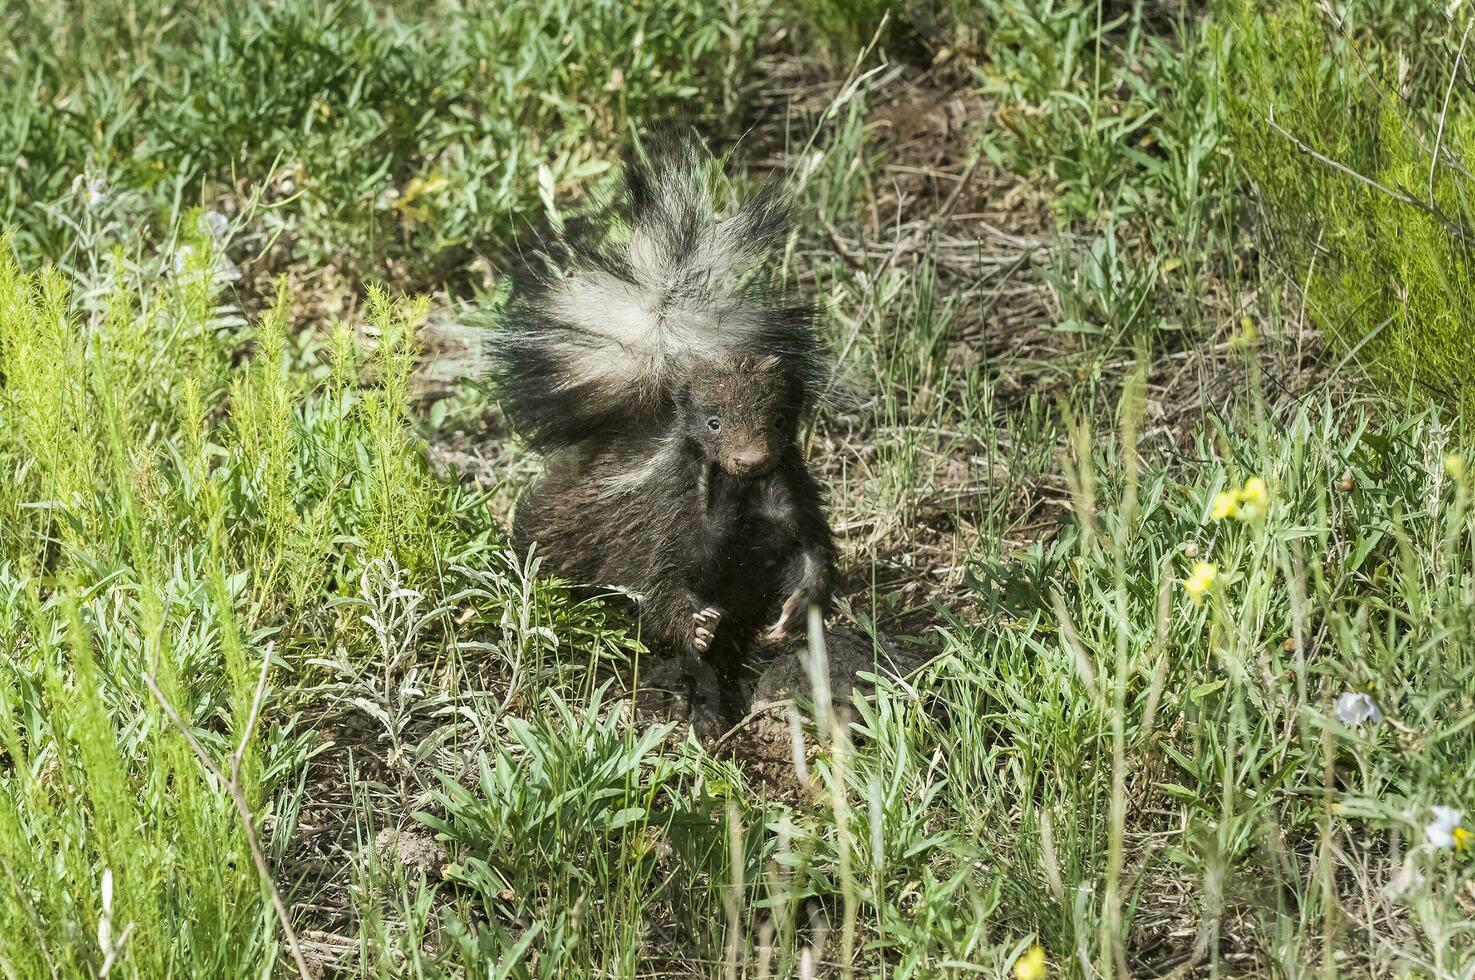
214 224
1355 708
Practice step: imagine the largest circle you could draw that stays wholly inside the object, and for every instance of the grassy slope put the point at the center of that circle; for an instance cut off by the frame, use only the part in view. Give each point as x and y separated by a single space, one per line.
1093 761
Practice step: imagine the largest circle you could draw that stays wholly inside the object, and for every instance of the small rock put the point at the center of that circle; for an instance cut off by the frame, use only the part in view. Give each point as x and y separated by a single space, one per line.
683 690
849 652
416 850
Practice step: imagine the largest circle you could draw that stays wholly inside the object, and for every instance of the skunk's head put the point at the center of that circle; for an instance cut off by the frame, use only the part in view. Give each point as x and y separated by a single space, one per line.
743 414
608 321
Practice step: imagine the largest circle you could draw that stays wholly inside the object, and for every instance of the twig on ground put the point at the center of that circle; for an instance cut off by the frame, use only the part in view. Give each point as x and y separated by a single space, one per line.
1444 110
1402 196
238 797
116 951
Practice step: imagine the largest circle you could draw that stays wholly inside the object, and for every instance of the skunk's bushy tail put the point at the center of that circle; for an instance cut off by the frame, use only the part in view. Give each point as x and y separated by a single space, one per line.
606 322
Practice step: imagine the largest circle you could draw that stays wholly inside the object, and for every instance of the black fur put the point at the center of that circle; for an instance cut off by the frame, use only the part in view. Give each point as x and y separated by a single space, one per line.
687 537
674 475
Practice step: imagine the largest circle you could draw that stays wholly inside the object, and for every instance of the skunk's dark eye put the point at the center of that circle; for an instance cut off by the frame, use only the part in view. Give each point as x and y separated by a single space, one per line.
714 423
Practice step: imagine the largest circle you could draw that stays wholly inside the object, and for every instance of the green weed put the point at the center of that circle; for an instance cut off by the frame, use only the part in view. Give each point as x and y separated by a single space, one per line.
1353 134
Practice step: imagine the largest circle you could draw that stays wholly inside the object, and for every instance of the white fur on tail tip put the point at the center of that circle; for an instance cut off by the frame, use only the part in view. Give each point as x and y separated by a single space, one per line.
682 301
624 310
657 325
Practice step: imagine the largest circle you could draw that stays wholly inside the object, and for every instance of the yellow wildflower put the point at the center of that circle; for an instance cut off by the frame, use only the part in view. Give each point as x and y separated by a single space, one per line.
1463 838
1248 503
1200 580
1254 492
1247 334
411 203
1031 966
1454 466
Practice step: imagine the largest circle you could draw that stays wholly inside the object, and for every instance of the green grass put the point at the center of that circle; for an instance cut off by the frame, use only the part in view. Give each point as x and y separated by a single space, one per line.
399 140
212 483
1119 114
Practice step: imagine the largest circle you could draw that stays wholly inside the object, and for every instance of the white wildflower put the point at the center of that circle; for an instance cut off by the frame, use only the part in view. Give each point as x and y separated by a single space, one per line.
92 190
1355 708
1444 831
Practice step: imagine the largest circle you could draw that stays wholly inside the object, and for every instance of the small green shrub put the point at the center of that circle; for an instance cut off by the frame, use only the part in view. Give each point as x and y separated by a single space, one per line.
595 803
1335 121
176 518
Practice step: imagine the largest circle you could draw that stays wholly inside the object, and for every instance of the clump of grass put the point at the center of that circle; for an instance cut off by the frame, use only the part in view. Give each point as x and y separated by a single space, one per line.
117 849
595 803
1117 112
176 522
1351 129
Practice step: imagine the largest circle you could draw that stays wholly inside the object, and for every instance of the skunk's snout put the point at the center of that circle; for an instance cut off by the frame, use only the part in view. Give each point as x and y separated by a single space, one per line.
750 460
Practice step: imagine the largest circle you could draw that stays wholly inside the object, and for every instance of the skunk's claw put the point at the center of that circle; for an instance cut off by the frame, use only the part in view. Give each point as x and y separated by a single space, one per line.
704 623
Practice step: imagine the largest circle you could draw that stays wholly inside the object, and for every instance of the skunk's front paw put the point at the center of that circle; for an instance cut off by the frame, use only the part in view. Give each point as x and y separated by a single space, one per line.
813 590
796 606
704 623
